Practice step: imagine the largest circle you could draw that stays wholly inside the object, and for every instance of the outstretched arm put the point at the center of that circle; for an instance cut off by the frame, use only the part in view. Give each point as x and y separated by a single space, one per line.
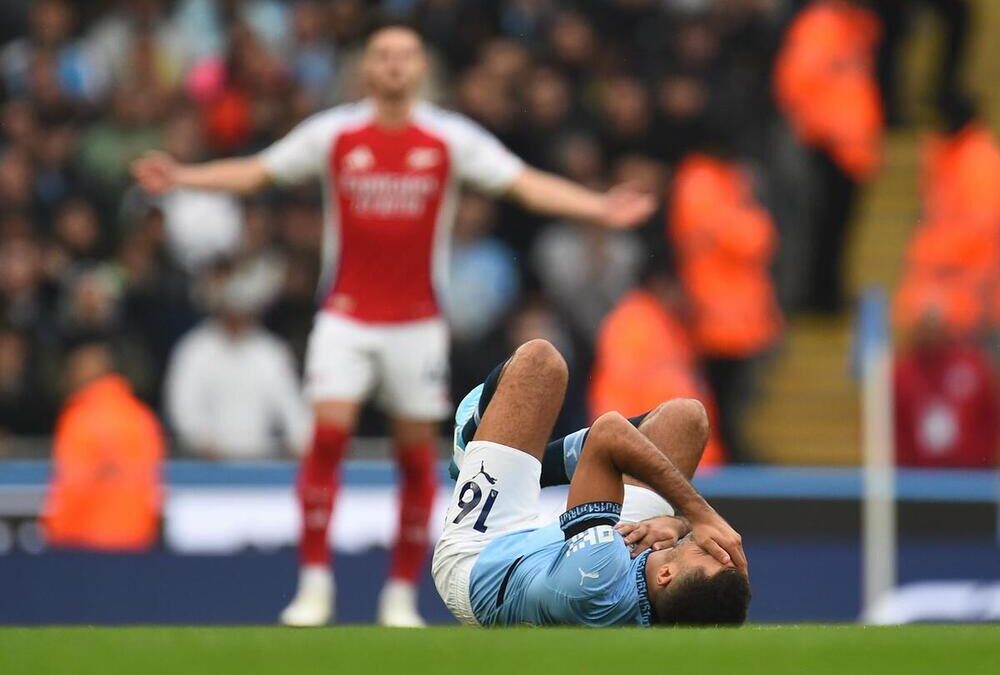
158 172
545 193
615 448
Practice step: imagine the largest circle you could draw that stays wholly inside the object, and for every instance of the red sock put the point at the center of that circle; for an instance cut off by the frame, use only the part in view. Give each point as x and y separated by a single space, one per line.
319 480
418 482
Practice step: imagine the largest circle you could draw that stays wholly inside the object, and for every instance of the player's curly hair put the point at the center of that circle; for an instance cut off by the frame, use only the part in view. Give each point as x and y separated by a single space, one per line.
696 599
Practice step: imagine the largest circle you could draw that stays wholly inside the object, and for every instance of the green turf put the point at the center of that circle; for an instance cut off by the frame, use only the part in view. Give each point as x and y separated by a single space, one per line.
802 650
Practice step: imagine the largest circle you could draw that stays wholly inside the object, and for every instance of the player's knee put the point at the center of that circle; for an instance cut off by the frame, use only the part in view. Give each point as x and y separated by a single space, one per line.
540 356
690 415
608 428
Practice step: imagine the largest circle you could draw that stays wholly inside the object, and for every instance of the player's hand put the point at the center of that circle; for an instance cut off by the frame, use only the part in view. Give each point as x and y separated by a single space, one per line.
156 172
655 533
710 531
624 206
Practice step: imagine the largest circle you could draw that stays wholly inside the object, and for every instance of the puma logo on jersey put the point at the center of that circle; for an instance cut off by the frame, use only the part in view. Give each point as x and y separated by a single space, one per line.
423 158
360 158
587 575
482 471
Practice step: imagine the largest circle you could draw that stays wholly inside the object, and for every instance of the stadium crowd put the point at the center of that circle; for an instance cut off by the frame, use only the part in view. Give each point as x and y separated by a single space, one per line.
755 121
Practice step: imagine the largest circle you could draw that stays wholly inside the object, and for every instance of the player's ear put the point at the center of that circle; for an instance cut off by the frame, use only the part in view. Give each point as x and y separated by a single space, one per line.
664 575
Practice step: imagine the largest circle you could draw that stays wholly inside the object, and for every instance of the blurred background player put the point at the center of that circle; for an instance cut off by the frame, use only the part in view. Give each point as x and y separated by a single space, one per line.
391 166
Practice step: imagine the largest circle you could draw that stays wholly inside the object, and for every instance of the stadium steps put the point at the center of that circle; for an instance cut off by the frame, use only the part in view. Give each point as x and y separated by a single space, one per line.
806 411
807 408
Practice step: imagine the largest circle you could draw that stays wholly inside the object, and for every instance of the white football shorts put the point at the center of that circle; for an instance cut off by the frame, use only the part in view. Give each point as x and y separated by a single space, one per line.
405 366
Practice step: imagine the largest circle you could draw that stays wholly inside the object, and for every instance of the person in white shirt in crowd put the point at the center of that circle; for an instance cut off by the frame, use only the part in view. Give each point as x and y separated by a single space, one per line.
232 390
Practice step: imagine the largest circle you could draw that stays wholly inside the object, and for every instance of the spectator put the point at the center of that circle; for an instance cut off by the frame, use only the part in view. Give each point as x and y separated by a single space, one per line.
51 27
962 168
105 491
725 243
24 403
231 387
953 259
313 59
585 270
946 405
897 18
131 129
485 285
825 86
25 301
484 276
645 356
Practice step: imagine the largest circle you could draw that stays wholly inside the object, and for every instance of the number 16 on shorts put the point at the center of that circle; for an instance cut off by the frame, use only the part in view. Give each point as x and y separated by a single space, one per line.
469 498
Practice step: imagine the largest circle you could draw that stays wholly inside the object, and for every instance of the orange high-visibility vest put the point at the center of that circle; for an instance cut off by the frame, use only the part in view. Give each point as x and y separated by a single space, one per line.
105 488
643 358
953 258
824 81
961 173
725 242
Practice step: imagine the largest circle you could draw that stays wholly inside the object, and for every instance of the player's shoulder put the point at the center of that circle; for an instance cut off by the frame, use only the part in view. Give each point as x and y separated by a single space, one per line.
449 123
595 560
343 116
199 337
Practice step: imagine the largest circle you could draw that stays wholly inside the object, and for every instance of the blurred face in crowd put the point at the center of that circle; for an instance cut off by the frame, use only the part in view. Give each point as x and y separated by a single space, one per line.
696 45
681 98
93 302
548 98
77 227
18 123
13 355
57 146
51 22
394 64
477 96
646 174
930 335
87 363
475 217
308 22
626 106
20 266
505 60
16 176
580 158
182 137
572 39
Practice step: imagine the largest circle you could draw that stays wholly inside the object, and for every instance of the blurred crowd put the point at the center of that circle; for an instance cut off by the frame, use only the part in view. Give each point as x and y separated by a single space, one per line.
755 121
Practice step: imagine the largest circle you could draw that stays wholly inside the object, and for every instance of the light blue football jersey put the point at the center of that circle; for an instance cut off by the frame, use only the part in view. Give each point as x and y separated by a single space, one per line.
540 577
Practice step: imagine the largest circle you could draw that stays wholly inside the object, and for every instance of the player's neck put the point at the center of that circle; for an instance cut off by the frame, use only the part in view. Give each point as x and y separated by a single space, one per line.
393 113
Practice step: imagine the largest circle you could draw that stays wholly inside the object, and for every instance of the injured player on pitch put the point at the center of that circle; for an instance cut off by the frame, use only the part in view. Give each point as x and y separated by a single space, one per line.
636 545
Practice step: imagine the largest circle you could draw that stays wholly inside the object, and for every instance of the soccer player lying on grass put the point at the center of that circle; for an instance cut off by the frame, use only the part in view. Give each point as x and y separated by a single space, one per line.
499 563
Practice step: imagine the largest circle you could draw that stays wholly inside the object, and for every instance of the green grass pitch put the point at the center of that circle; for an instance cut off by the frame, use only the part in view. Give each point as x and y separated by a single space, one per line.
767 650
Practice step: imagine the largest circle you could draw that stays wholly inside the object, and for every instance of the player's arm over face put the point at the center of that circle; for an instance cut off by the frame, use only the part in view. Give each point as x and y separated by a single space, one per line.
615 448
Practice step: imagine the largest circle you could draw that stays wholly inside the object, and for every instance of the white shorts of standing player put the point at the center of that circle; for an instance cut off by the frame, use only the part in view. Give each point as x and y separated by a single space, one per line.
403 366
404 369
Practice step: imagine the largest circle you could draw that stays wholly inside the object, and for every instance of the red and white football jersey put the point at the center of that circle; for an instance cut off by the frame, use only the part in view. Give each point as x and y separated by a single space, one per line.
390 197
